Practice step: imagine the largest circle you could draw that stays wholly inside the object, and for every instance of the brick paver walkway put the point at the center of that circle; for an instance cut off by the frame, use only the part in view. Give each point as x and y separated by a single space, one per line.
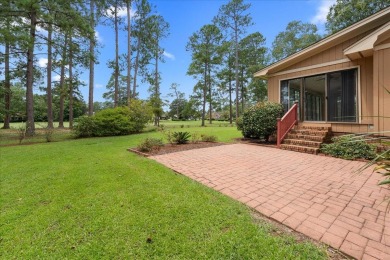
315 195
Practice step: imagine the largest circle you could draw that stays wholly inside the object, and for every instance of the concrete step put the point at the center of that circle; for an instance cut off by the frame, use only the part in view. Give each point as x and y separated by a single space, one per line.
315 138
298 148
314 132
319 128
301 142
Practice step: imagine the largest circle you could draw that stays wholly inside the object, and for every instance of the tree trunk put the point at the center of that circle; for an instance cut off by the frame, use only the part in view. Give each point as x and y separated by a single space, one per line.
242 92
70 82
62 84
230 102
157 90
136 67
128 6
204 95
48 88
210 97
236 70
30 125
116 72
7 87
91 60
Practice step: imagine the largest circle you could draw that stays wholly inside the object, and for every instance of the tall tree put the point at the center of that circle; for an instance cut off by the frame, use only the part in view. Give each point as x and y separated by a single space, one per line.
92 58
48 80
253 56
206 54
226 75
115 20
346 12
7 73
234 18
62 86
71 81
178 98
142 57
158 29
297 36
128 80
32 12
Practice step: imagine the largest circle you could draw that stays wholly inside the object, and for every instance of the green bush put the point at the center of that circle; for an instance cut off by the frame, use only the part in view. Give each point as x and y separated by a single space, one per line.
181 137
209 138
239 123
150 144
349 147
114 121
195 138
260 120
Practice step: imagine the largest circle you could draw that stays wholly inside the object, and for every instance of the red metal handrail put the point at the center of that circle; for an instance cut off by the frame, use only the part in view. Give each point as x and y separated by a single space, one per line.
286 123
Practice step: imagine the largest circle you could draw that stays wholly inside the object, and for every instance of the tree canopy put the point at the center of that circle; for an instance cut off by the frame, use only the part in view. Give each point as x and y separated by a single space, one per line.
346 12
297 36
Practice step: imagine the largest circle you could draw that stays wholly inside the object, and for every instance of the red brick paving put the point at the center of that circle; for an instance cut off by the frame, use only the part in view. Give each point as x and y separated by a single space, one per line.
318 196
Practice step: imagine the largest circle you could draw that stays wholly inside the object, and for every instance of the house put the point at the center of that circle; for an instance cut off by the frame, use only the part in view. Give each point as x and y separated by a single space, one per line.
340 82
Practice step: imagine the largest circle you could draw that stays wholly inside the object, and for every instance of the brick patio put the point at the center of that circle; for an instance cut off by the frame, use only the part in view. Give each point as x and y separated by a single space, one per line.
318 196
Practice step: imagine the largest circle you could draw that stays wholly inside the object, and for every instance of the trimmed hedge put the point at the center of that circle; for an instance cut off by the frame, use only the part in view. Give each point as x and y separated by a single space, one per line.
260 120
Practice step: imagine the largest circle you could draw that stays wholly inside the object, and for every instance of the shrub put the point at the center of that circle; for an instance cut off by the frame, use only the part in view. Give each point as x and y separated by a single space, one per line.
239 123
260 120
349 147
114 121
140 114
150 144
168 135
181 137
209 138
84 127
21 132
48 134
195 138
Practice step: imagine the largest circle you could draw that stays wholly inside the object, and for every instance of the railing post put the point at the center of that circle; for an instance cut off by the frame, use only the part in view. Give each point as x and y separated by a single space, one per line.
296 112
279 133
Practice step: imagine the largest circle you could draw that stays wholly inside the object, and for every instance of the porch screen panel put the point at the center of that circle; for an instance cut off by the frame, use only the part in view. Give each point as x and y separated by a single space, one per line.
342 101
284 95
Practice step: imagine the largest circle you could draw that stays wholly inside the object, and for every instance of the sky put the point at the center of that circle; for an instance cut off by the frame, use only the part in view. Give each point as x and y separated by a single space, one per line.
186 17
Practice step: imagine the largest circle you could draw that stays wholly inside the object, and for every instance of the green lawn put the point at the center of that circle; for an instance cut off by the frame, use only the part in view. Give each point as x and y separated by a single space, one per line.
90 199
223 130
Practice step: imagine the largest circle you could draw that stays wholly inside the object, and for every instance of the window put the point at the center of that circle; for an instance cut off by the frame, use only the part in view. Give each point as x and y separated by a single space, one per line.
328 97
342 105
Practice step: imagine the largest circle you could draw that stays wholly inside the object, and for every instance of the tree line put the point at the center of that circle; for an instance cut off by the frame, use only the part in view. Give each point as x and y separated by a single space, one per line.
224 56
64 32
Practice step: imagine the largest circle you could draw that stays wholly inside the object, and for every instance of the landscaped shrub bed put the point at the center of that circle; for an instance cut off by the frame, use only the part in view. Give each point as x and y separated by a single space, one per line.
350 147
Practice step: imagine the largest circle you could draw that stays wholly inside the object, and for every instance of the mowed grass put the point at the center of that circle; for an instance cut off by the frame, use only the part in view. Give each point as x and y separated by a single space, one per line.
223 130
91 199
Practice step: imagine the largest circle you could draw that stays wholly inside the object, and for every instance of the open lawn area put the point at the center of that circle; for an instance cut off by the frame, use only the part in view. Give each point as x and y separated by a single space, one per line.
91 199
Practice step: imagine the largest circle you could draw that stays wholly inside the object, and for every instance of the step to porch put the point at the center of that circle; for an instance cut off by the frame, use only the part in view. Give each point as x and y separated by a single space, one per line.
306 139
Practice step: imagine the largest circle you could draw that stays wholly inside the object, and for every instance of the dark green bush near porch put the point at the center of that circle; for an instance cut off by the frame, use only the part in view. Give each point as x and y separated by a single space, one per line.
349 147
260 120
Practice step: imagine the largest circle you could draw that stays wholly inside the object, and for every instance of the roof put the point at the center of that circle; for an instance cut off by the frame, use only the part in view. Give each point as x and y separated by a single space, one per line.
365 47
378 20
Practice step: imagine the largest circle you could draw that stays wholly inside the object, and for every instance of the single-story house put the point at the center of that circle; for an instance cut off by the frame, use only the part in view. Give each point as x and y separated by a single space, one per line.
340 82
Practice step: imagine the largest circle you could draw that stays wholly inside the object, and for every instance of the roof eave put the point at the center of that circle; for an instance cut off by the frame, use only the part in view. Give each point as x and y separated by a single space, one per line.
322 44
